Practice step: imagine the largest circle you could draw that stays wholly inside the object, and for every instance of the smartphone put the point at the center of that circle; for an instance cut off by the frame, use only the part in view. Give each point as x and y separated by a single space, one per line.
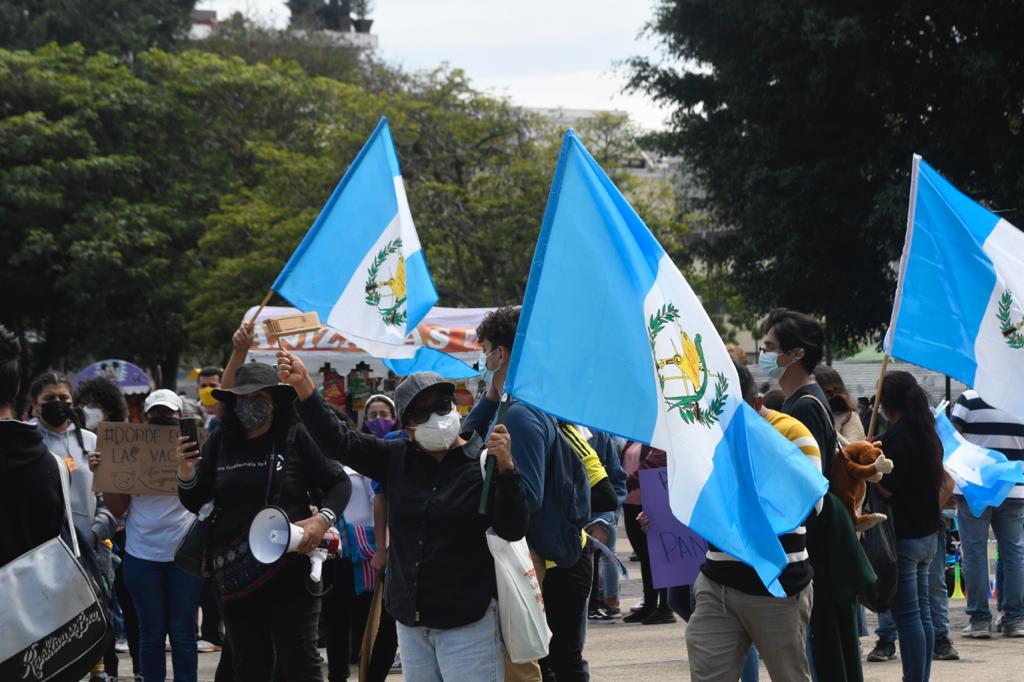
188 430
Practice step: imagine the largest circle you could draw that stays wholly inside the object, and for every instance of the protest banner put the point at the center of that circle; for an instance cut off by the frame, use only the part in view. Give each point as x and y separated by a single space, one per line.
138 459
676 552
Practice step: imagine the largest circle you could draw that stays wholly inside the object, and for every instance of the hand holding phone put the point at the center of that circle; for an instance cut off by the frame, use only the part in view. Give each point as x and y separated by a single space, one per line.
189 431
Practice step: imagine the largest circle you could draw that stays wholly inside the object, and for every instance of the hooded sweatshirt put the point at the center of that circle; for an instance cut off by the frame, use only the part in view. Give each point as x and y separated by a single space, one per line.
30 498
87 507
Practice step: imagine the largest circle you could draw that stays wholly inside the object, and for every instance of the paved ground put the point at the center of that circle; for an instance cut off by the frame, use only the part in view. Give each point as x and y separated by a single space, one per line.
618 652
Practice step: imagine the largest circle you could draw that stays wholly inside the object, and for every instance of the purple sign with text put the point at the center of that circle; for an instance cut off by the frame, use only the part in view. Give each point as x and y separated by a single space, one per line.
676 551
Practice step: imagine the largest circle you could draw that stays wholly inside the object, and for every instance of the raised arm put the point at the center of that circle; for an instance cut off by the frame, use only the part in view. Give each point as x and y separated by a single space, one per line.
241 342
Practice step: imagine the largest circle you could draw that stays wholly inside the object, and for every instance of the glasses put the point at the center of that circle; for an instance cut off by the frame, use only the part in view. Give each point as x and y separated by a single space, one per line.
417 415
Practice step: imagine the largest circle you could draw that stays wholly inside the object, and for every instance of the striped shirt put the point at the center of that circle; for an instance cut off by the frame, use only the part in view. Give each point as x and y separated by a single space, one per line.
727 570
984 425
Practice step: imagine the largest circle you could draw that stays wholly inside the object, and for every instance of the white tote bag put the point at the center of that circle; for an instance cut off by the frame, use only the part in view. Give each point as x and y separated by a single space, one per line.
524 626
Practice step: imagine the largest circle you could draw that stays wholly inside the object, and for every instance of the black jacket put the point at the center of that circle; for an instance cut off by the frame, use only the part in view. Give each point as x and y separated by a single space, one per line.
31 503
440 571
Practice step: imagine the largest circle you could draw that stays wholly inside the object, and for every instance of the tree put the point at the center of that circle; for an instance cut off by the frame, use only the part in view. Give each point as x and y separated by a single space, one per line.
800 119
118 26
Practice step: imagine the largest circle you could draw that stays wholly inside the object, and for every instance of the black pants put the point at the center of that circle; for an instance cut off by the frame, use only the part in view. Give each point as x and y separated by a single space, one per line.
279 619
566 592
344 618
638 539
384 648
131 621
208 603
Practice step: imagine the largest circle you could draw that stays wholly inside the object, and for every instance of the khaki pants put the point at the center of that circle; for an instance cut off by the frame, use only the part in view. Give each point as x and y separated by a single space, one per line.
529 671
726 622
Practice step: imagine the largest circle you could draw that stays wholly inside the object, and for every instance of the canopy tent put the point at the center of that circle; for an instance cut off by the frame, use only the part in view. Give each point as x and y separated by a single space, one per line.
128 377
449 330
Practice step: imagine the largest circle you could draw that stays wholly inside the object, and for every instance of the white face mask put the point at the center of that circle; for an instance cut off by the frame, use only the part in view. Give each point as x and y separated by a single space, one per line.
93 417
439 432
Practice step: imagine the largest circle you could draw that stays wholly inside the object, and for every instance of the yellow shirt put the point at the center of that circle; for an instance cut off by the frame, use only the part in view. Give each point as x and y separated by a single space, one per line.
796 433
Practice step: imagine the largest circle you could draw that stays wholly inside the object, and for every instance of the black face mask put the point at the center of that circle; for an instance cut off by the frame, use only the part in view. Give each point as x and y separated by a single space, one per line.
56 412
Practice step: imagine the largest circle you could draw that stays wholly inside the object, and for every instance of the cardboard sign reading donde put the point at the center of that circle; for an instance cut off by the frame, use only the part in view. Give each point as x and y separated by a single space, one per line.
138 459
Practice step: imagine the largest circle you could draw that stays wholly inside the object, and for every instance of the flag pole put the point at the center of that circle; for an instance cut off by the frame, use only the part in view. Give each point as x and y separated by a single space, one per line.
263 304
489 464
878 397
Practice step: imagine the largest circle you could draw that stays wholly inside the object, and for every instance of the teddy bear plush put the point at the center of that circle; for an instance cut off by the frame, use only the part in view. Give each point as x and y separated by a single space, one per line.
858 462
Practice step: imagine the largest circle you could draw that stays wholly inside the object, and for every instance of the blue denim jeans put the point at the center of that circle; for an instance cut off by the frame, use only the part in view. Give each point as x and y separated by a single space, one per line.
912 610
468 652
166 601
938 600
1007 522
609 571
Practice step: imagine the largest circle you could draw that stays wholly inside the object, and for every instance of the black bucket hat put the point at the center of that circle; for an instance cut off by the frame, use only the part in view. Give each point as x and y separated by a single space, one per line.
416 383
252 377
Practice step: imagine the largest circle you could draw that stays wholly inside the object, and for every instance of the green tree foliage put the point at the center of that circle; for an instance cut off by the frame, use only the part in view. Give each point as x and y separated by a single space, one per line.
117 26
800 120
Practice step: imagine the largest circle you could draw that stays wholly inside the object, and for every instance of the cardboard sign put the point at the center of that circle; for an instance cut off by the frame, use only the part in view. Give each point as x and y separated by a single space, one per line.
138 459
676 552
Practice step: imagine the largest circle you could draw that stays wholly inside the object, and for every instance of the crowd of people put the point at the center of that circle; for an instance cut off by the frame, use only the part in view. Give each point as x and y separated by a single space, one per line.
400 482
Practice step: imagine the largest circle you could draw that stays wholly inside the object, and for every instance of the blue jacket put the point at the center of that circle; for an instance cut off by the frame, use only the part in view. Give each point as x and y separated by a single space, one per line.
555 482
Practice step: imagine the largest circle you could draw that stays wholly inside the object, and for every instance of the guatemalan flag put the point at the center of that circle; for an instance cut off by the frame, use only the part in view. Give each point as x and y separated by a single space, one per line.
985 477
612 336
961 286
360 266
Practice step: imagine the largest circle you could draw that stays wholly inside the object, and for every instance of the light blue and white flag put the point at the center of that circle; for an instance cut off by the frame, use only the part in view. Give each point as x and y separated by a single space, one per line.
961 286
985 477
612 336
361 269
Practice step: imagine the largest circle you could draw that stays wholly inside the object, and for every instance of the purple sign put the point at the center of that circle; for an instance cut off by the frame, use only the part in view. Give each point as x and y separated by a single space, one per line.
676 551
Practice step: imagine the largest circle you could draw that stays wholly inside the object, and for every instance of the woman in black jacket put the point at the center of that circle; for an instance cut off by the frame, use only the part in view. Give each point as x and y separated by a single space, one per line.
263 455
441 585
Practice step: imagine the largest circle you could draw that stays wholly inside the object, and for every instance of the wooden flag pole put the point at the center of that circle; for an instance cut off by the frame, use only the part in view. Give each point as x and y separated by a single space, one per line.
266 299
878 397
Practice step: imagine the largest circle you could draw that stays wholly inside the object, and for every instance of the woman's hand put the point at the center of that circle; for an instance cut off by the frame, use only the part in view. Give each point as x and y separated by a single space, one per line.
313 532
379 561
643 521
94 460
291 371
188 457
499 444
241 340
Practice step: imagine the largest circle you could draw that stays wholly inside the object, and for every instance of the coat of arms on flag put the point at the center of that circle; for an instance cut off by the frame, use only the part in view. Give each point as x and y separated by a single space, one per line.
388 295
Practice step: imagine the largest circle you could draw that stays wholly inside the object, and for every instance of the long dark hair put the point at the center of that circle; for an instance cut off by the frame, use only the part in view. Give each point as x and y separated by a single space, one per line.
835 389
106 395
901 393
53 378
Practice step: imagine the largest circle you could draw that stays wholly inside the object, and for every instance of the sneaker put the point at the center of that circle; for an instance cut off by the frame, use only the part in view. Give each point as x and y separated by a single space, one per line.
977 631
637 616
121 646
1014 629
613 611
639 606
600 616
205 647
396 667
944 650
883 651
660 616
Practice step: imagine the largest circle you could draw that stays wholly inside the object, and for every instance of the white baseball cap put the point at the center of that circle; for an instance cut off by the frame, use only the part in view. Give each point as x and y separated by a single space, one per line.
165 397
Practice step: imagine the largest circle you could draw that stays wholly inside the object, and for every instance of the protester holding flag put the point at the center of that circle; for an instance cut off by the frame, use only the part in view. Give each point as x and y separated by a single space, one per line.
733 608
913 489
557 486
441 580
262 454
984 425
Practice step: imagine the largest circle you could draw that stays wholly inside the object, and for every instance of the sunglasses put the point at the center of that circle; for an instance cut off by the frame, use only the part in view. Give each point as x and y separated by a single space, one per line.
442 405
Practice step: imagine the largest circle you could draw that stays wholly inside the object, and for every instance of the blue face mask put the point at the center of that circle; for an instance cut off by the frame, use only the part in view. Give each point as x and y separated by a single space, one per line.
769 362
487 375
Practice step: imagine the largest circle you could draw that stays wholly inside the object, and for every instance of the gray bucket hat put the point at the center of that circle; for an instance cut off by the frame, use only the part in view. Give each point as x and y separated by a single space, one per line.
414 384
250 378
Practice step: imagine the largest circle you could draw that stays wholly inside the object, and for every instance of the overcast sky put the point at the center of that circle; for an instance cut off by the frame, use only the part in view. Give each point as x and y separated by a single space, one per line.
558 53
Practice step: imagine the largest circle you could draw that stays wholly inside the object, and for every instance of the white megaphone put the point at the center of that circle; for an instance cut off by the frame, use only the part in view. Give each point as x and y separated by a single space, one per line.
272 535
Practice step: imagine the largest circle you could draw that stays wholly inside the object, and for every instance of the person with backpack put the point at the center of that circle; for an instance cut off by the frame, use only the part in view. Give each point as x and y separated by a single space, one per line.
564 483
263 455
441 582
913 490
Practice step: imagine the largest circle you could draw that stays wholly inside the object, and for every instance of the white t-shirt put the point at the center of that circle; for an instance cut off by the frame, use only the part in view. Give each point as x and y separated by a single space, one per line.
359 511
155 525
